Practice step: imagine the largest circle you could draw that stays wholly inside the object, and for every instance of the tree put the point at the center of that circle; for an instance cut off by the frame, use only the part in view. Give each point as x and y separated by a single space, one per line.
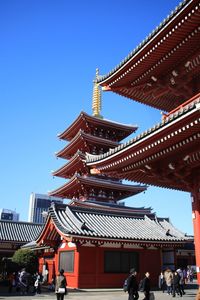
26 258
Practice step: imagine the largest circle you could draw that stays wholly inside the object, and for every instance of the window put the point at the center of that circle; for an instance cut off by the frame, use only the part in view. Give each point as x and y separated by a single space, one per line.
66 261
120 262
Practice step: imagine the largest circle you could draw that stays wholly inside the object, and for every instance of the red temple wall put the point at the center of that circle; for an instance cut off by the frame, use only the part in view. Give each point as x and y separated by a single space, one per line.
89 266
92 267
72 277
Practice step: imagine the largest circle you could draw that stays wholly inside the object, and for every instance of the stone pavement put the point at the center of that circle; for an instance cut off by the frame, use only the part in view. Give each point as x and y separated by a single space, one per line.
103 294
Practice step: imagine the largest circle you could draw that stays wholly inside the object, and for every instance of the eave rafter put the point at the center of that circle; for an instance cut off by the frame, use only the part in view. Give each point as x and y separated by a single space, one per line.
145 244
170 158
76 165
173 51
80 187
86 143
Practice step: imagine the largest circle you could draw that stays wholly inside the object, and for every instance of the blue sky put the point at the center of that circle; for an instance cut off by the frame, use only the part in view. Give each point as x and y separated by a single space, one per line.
49 51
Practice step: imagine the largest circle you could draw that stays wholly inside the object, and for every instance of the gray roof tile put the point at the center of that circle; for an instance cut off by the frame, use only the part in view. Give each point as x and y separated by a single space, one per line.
19 231
84 222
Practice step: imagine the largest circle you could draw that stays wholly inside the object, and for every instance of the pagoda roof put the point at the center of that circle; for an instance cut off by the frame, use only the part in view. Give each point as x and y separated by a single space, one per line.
77 185
166 155
80 223
162 71
85 122
81 142
19 232
75 164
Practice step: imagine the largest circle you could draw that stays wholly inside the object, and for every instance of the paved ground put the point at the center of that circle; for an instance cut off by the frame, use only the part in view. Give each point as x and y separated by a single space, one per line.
110 294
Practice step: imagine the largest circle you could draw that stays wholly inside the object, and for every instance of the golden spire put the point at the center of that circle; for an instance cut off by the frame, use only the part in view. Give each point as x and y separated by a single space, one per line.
96 100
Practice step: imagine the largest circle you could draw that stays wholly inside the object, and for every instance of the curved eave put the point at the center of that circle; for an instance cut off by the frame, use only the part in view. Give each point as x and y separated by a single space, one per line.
51 231
164 25
82 224
109 184
147 75
119 208
65 189
174 143
167 123
74 127
139 242
85 121
79 183
76 163
80 142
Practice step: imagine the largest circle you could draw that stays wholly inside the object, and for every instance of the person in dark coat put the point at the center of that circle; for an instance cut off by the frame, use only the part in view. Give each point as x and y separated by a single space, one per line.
146 286
161 282
132 286
176 285
61 283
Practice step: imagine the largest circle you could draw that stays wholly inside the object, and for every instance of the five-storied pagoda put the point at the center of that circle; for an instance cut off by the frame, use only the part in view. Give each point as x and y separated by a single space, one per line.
94 135
94 238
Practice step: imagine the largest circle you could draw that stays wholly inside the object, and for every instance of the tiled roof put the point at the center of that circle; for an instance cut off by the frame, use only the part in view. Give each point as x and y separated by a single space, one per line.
94 223
164 23
123 130
19 231
81 140
113 207
167 121
75 164
72 187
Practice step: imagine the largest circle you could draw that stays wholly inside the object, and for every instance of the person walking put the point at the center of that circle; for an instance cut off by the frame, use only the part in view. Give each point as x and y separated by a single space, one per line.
132 285
11 281
176 285
181 282
37 283
146 286
168 280
23 282
161 282
61 285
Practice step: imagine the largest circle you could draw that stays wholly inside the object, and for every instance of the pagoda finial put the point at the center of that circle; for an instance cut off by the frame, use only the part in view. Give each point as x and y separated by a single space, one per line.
96 101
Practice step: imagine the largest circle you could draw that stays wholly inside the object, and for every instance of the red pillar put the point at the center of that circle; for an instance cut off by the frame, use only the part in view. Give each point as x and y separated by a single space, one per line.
196 224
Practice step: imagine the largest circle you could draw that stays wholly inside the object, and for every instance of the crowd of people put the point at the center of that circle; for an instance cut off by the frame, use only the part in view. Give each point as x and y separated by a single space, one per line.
24 283
174 281
170 282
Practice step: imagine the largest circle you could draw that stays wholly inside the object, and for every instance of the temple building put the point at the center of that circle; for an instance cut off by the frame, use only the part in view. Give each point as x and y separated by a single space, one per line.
162 72
94 238
15 234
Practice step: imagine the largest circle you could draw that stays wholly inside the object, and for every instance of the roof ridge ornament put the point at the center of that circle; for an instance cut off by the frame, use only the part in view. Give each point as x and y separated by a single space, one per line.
96 99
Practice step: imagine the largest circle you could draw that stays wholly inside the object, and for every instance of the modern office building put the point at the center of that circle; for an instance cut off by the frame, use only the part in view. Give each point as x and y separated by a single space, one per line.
38 205
9 215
